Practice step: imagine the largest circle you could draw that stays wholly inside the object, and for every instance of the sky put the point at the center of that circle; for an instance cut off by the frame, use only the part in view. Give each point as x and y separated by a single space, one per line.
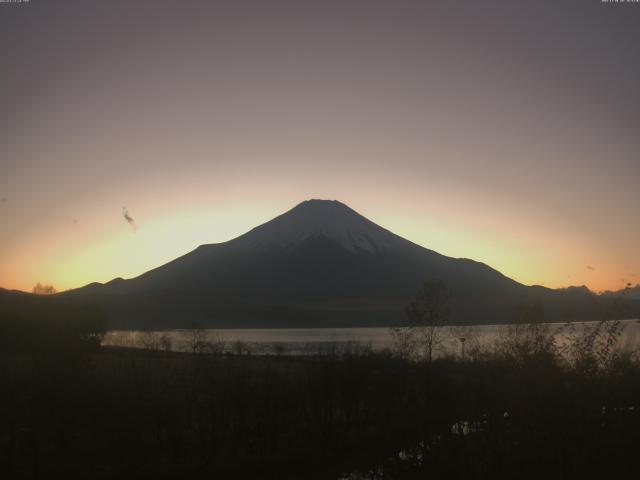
133 131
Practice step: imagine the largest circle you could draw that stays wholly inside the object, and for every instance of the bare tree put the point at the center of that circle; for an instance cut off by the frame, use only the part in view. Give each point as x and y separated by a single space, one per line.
215 343
403 340
200 340
166 343
240 348
595 347
40 289
425 314
196 340
150 341
528 337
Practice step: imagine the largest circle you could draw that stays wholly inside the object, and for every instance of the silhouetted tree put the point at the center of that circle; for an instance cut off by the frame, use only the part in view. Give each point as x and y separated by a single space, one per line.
40 289
426 313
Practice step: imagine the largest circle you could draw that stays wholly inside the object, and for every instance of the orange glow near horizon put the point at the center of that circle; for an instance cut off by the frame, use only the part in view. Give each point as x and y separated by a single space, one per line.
106 248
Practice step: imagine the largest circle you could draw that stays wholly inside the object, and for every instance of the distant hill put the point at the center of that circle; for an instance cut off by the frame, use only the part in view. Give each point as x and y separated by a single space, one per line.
30 323
630 293
319 264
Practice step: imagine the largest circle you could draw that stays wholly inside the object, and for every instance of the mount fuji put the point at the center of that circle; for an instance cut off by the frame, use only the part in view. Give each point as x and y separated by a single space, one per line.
321 264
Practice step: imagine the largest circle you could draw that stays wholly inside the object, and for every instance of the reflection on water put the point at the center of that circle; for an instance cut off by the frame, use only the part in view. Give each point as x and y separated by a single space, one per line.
312 341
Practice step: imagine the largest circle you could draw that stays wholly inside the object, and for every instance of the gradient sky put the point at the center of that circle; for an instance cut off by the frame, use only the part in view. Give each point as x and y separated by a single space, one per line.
502 131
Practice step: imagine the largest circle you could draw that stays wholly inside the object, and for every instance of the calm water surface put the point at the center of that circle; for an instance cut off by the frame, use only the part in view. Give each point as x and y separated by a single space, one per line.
311 341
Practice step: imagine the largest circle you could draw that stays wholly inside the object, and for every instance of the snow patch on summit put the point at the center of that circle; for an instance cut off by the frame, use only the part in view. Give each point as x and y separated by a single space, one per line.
322 219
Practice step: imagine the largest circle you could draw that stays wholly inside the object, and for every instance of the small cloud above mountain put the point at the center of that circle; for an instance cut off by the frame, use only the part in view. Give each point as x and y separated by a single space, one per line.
129 219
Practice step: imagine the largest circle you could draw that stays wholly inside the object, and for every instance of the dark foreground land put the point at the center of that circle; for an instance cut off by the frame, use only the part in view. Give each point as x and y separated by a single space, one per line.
521 411
524 408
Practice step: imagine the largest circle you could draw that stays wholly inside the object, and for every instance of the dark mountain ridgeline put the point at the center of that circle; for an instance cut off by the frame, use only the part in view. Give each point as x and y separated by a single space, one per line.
319 264
47 323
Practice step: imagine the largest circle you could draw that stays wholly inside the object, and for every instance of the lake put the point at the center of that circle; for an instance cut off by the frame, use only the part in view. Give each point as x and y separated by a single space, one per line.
312 341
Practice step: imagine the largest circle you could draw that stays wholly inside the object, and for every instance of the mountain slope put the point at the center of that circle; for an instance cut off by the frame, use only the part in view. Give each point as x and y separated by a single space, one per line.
319 264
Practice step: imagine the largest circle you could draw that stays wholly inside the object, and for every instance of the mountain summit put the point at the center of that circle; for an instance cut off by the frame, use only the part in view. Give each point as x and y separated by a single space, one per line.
319 264
315 219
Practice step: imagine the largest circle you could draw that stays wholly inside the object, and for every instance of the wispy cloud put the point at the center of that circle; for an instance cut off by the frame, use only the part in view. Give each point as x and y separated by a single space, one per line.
129 219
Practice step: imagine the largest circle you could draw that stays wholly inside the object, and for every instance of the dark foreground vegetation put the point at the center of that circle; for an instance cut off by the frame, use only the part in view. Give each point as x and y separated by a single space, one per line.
524 407
520 411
